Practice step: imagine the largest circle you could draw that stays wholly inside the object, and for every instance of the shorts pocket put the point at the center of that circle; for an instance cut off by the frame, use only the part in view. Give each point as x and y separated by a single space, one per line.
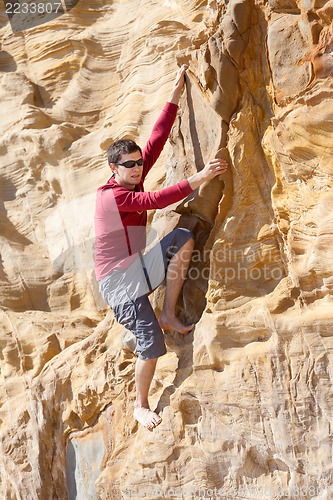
126 315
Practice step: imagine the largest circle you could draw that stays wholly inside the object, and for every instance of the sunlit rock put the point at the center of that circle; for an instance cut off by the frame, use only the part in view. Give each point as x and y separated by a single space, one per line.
246 397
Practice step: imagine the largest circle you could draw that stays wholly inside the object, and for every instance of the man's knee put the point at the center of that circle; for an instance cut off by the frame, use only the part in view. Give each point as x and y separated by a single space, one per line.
186 238
187 248
190 242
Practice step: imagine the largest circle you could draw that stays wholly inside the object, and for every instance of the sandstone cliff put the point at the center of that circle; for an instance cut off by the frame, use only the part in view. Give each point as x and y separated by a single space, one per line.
246 399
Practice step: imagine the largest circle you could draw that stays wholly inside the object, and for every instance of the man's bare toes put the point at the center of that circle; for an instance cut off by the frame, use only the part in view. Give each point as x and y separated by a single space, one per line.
174 324
146 417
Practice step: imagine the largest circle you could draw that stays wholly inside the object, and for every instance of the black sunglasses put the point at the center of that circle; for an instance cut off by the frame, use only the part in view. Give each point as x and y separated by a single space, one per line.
130 163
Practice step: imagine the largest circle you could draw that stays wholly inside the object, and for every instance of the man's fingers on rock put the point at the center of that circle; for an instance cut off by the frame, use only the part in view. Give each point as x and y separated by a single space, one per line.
214 163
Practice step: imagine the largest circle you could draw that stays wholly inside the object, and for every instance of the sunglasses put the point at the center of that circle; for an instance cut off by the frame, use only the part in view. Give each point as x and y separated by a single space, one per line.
130 163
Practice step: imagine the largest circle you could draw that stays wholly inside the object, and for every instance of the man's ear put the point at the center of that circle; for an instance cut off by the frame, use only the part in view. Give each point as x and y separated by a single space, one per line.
113 168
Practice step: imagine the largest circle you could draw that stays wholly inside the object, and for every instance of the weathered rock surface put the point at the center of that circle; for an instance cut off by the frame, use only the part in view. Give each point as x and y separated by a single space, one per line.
246 399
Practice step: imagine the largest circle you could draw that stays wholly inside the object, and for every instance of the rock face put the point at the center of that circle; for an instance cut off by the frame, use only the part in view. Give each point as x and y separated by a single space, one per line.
246 399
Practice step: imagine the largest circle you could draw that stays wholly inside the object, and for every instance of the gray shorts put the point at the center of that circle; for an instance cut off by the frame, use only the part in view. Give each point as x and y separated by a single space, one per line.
127 290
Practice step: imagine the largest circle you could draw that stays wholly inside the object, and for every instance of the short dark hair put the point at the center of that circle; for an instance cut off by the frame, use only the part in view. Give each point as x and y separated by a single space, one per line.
123 146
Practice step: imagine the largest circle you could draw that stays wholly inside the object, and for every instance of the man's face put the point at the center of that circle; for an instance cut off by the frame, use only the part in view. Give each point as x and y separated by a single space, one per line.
128 177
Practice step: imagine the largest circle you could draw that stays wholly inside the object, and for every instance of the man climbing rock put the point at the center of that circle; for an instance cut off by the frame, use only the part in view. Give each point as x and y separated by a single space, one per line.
126 272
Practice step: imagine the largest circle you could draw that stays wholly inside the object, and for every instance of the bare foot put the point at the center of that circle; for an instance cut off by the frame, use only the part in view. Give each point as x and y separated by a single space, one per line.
146 417
172 323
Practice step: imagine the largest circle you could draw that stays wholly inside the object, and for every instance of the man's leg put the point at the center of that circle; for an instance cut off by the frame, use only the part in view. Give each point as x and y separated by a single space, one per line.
144 372
150 346
175 277
137 316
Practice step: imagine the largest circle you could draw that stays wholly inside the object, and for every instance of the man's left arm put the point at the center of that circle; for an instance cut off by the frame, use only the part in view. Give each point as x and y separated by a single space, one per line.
163 125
